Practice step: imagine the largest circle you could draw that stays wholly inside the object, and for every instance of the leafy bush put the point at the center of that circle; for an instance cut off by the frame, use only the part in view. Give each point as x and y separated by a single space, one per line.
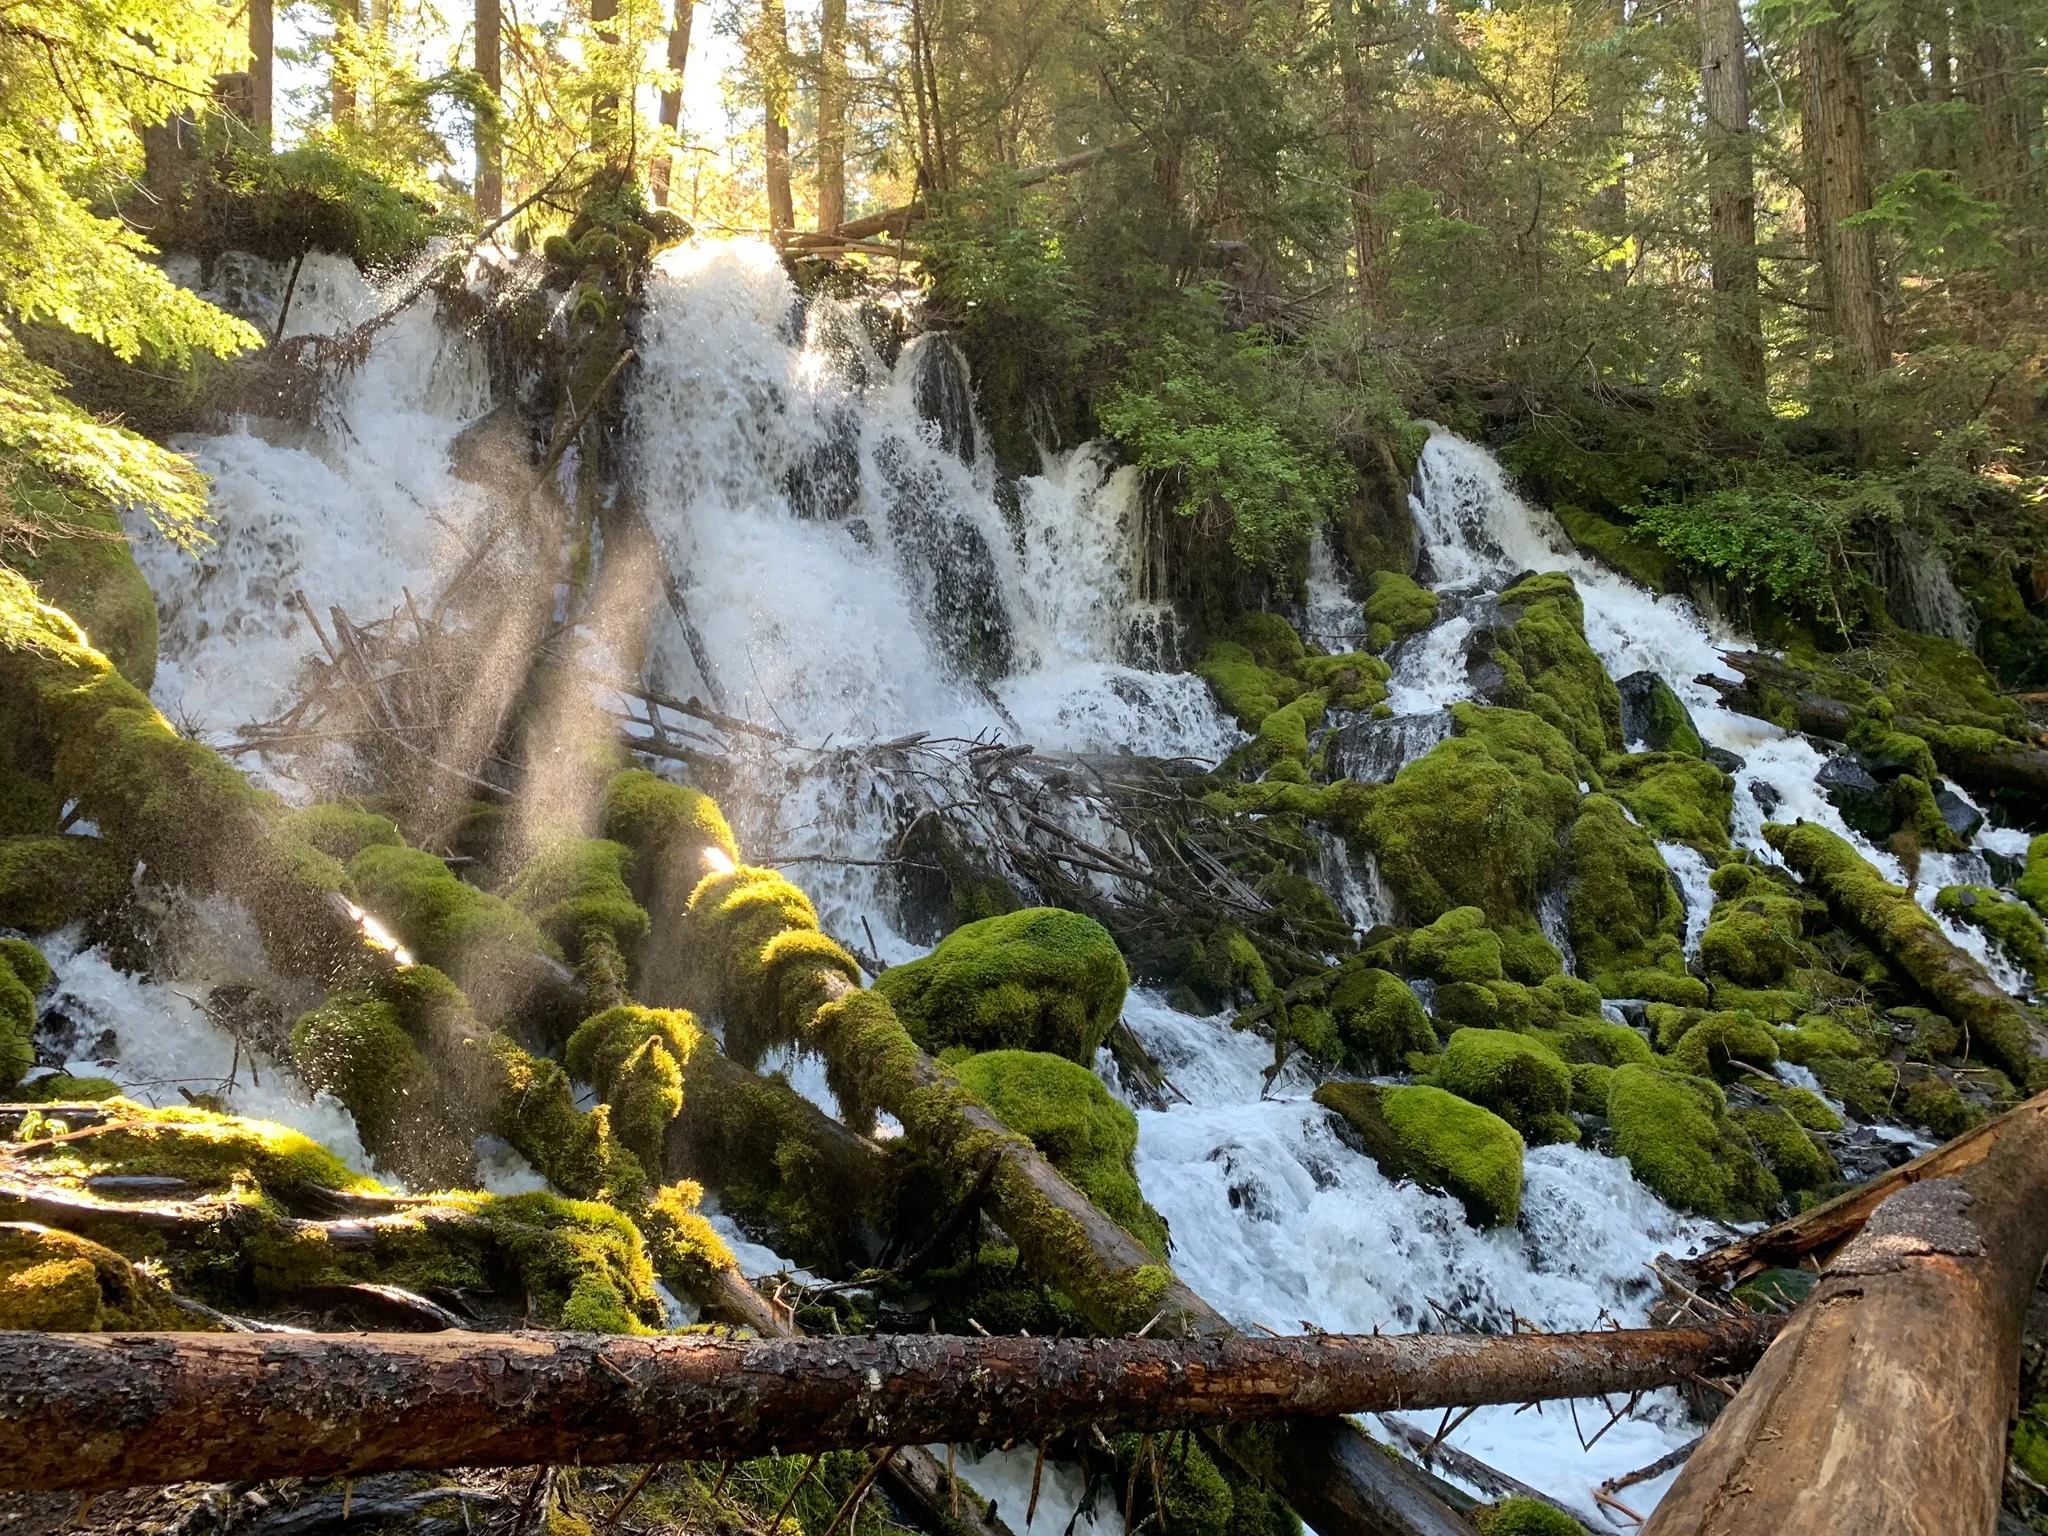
1787 540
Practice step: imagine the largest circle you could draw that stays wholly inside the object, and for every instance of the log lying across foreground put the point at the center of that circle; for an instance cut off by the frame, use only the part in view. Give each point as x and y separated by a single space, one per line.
1882 1408
96 1411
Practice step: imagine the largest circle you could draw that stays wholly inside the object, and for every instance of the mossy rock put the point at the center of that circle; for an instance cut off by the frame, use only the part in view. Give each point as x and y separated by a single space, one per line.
1719 1045
48 881
55 1282
1755 935
659 819
2032 885
29 807
1640 560
1397 608
1066 1113
1794 1155
1040 979
1677 798
1456 947
24 973
2010 924
1524 1517
1677 1136
1441 1141
1538 643
1623 910
1938 1105
90 572
1868 1089
1596 1040
1516 1076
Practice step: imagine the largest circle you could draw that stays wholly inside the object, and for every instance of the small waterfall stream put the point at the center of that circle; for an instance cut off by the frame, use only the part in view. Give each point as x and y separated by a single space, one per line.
857 573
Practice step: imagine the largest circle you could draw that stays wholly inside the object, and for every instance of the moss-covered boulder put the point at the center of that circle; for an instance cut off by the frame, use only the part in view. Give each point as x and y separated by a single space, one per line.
23 974
1378 1018
1397 608
1675 1132
55 1282
48 881
1623 910
1754 936
1439 1140
1064 1111
1516 1076
89 571
1036 980
1456 947
2032 885
1720 1045
1653 714
1796 1157
1677 798
1540 662
2009 924
29 806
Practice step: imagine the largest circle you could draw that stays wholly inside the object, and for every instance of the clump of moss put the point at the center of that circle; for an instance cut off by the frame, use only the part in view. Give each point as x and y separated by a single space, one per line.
1936 1104
1794 1155
1226 967
487 947
63 1088
340 830
2016 930
1678 1139
88 569
28 806
1379 1019
576 884
1397 608
1539 644
1868 1089
1457 947
1525 1517
669 826
682 1244
1713 1044
217 1153
55 1282
1064 1111
1623 910
50 880
1183 1490
2032 885
633 1057
584 1264
1753 938
1678 798
1516 1076
1040 979
23 974
355 1047
1439 1140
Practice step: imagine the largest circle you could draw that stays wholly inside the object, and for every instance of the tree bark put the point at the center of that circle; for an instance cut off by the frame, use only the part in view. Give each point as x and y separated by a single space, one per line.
604 112
93 1411
1827 1226
774 66
1838 153
672 98
1882 1408
262 65
1355 73
341 70
1731 189
490 164
832 93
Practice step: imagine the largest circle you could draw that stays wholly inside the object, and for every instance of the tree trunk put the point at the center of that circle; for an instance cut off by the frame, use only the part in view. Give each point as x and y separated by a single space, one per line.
262 65
341 68
672 98
1993 83
1828 1225
93 1411
604 112
832 92
774 66
1731 189
1882 1408
1838 154
490 161
1356 75
1610 90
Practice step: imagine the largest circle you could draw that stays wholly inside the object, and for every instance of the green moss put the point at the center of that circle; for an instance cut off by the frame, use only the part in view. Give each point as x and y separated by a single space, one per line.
1816 1037
583 1264
633 1057
1040 979
664 822
1549 669
1525 1517
2015 929
1753 937
1716 1042
575 884
1638 559
1064 1111
1868 1089
355 1048
89 571
1400 605
1353 681
23 974
48 881
1226 967
682 1245
1796 1159
1378 1018
1679 799
1596 1040
1622 908
55 1282
1517 1077
2030 1441
1439 1140
1807 1108
216 1153
63 1088
1457 947
1894 924
2032 886
1937 1105
28 806
340 830
489 948
1677 1137
1247 691
1591 1082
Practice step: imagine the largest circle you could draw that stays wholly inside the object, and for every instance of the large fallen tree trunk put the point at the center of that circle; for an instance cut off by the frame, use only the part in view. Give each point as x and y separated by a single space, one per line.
1827 1226
1882 1408
90 1411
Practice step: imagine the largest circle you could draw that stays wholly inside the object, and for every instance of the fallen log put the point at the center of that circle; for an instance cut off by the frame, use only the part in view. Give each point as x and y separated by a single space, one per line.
1827 1226
96 1411
1881 1410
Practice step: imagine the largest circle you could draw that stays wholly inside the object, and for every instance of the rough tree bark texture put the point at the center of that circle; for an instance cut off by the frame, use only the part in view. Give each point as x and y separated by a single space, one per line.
1882 1408
1731 188
1834 1222
672 99
832 90
1837 143
490 165
87 1411
262 64
774 66
1355 73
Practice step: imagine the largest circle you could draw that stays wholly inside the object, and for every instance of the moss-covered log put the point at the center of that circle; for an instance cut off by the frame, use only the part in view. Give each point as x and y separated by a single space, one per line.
1884 1404
89 1411
758 933
2000 1030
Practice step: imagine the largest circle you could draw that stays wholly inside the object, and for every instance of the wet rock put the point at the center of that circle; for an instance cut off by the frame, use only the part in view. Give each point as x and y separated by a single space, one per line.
1651 713
825 483
942 395
1373 751
1766 797
1865 803
1728 762
1961 817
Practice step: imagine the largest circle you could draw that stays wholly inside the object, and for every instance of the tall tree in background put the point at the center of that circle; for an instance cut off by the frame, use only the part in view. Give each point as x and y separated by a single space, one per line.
1838 173
832 88
1357 74
490 150
772 62
262 66
1731 189
672 99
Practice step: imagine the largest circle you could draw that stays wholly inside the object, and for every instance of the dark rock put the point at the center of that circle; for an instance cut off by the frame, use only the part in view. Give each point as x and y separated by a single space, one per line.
1373 751
2005 869
1962 818
1728 762
1864 803
1766 797
939 389
825 482
1651 713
